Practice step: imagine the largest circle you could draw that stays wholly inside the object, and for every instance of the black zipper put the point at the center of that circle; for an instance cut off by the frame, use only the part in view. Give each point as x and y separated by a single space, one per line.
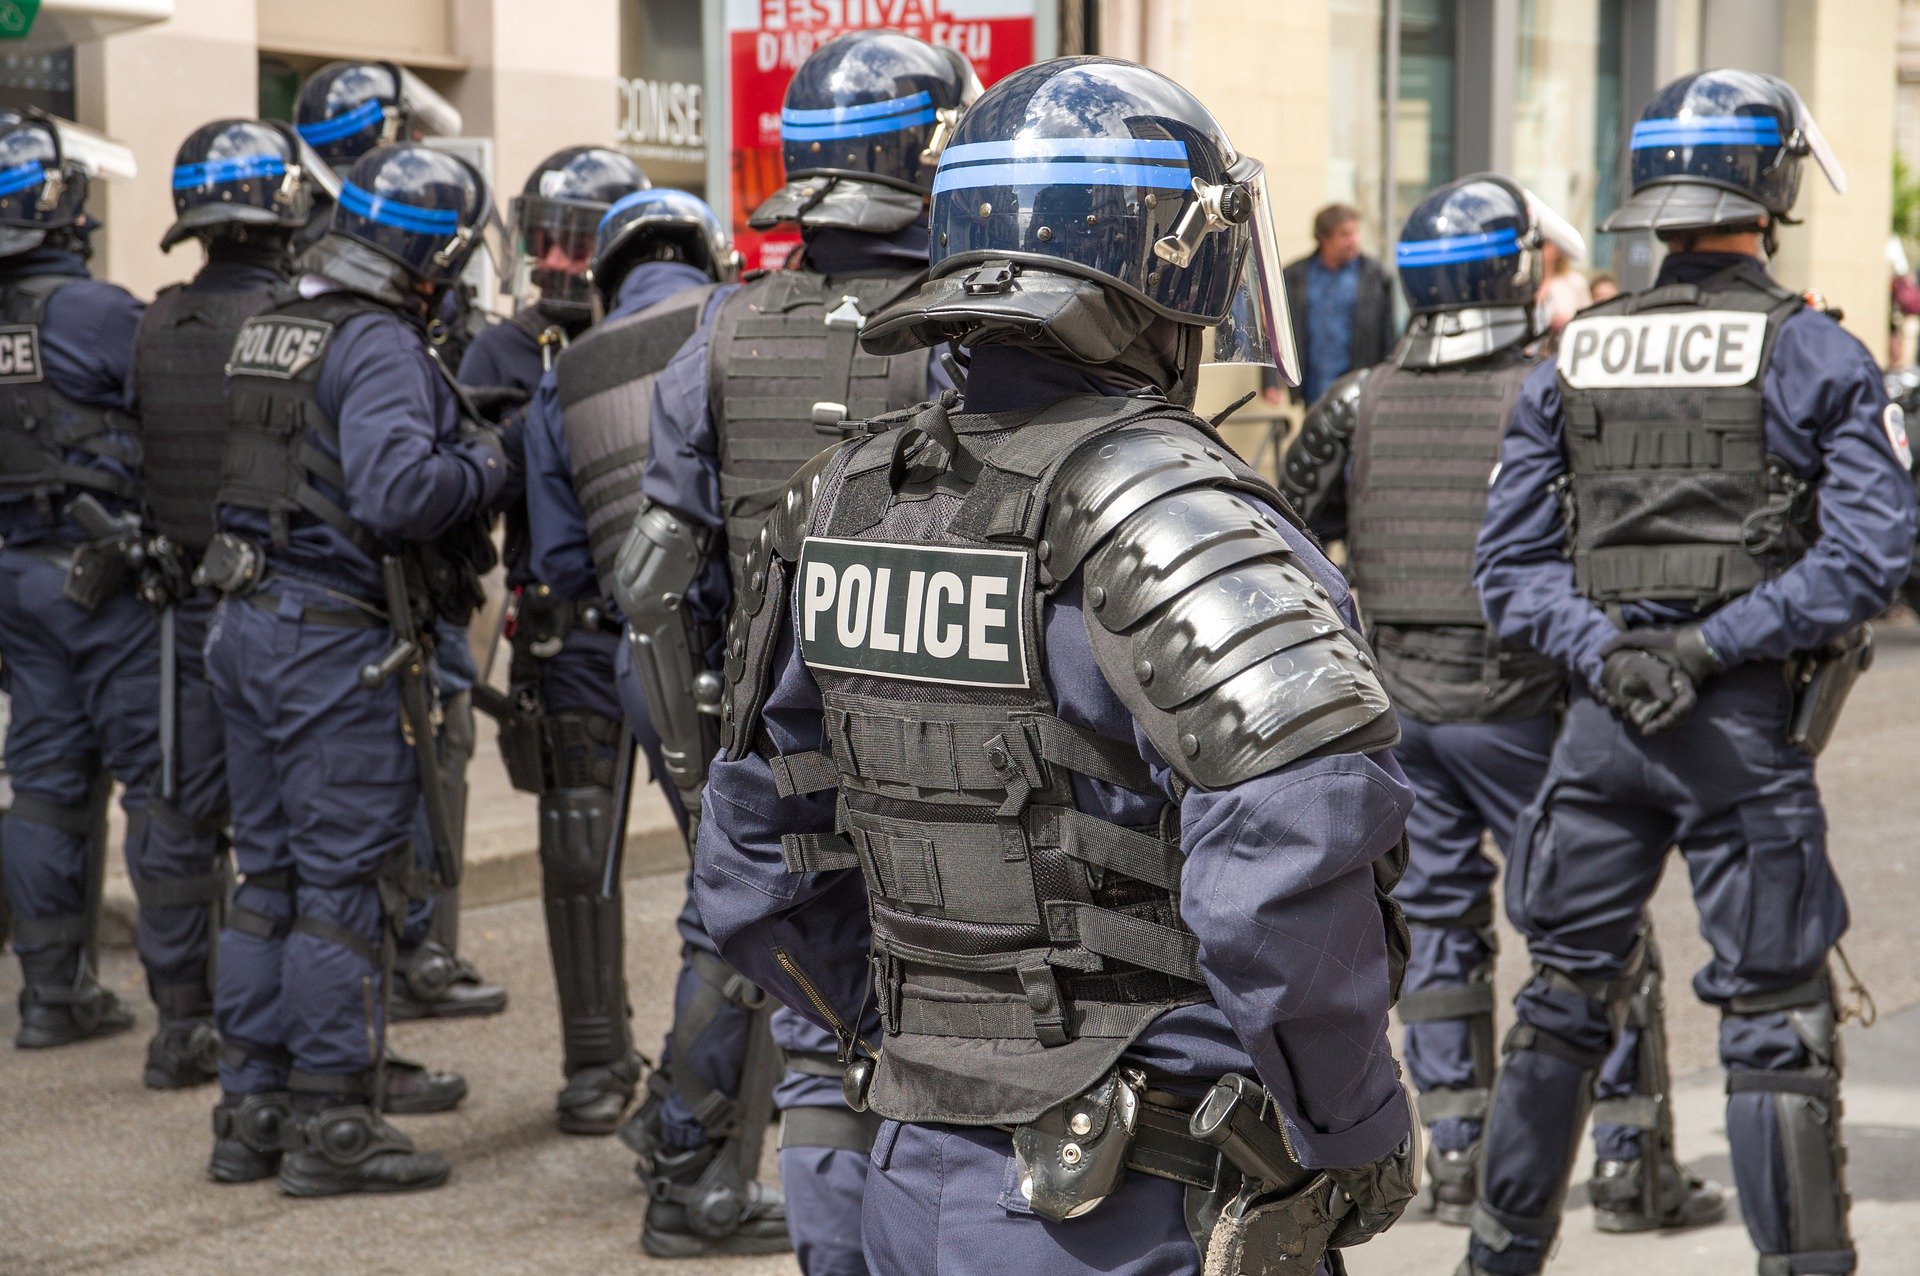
848 1038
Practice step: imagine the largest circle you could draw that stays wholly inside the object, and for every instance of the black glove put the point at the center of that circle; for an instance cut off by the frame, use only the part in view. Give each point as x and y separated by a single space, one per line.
1652 676
1380 1194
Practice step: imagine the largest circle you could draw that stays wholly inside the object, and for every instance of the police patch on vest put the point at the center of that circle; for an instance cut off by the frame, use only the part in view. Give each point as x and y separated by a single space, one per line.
919 612
278 346
1674 348
19 353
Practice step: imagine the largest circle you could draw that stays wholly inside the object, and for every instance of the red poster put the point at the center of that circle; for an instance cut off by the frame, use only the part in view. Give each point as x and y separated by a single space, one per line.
767 40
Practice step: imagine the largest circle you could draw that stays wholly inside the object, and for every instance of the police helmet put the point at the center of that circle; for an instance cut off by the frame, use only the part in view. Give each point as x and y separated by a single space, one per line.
345 109
1721 148
554 219
1082 200
861 129
659 224
1469 262
45 166
238 173
407 215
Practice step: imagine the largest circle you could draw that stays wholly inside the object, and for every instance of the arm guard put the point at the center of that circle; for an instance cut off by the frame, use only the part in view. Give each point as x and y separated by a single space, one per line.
661 557
1209 628
1314 475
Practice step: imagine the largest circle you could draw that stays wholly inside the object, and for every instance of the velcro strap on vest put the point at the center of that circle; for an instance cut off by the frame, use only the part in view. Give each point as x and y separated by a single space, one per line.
1008 1020
1128 852
801 773
817 852
178 892
1126 938
1435 1004
1636 1112
840 1128
1819 1083
1454 1105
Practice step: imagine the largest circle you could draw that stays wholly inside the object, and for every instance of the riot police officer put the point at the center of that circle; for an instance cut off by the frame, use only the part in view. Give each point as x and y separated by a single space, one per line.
344 110
1652 528
772 376
563 739
1392 461
1109 753
78 648
349 511
241 188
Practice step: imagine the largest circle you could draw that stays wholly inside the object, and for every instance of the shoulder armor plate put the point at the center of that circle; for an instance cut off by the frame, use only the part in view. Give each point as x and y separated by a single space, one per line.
1317 458
1205 622
761 606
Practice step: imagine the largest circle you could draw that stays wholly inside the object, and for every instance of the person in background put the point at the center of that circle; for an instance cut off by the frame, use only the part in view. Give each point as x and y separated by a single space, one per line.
1602 287
1343 303
1563 293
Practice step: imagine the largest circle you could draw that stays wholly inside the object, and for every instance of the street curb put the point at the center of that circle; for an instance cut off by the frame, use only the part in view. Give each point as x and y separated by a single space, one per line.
498 878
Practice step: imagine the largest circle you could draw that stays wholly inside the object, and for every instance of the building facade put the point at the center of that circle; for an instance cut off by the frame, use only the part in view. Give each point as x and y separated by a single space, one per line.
1370 102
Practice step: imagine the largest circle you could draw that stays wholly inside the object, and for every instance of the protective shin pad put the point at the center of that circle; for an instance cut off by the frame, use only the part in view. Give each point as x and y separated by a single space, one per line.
585 931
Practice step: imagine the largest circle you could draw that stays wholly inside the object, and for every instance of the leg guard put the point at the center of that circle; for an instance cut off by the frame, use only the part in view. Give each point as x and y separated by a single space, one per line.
456 752
250 1131
1540 1105
180 912
1785 1122
585 931
1463 1015
341 1146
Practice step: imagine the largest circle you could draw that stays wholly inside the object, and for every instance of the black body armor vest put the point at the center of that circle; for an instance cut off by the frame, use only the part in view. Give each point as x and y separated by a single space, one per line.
180 368
786 378
1424 445
606 393
1020 944
38 424
273 464
1673 495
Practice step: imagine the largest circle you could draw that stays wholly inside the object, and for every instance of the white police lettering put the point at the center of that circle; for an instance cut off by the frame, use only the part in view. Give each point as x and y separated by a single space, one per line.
19 354
276 346
920 612
1669 348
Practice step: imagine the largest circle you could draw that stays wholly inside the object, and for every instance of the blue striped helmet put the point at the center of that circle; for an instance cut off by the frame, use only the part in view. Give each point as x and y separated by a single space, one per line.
1476 243
1720 148
423 208
875 106
242 173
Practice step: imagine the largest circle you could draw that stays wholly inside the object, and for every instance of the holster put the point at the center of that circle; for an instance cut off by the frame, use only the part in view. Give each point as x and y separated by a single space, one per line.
99 571
1821 681
231 564
522 742
1262 1234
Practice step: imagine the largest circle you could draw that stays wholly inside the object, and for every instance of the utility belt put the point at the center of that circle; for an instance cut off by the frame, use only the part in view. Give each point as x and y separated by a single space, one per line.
1253 1209
1820 682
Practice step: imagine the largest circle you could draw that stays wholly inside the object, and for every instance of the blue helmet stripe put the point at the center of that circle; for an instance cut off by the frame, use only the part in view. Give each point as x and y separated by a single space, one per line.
1756 130
1062 173
865 111
857 128
654 195
214 172
1029 148
21 177
346 124
391 212
1456 249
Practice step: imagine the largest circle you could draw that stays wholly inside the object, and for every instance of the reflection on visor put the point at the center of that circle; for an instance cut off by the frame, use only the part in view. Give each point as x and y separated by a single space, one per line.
1258 329
1555 229
1822 152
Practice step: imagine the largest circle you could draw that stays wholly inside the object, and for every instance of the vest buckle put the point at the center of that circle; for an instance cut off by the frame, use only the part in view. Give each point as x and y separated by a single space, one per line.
993 277
847 314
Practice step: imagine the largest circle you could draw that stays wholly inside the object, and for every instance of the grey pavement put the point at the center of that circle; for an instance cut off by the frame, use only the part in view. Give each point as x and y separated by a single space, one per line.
99 1175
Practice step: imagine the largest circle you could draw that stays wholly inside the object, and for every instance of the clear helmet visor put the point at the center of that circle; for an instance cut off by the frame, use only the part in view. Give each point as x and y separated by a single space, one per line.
1257 329
1555 229
432 114
317 170
553 243
95 154
1816 145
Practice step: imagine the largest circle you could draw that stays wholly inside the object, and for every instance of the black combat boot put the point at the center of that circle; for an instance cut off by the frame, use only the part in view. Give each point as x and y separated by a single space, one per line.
341 1146
250 1131
184 1053
62 1002
596 1097
1453 1183
414 1089
431 982
699 1205
1617 1191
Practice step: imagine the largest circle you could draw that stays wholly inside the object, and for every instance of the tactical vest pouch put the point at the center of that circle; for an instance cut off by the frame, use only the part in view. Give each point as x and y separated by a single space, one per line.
1073 1156
99 572
1821 681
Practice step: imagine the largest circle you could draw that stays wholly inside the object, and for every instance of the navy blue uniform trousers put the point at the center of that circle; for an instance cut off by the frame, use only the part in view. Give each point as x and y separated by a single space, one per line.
85 692
1741 805
324 784
1472 779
